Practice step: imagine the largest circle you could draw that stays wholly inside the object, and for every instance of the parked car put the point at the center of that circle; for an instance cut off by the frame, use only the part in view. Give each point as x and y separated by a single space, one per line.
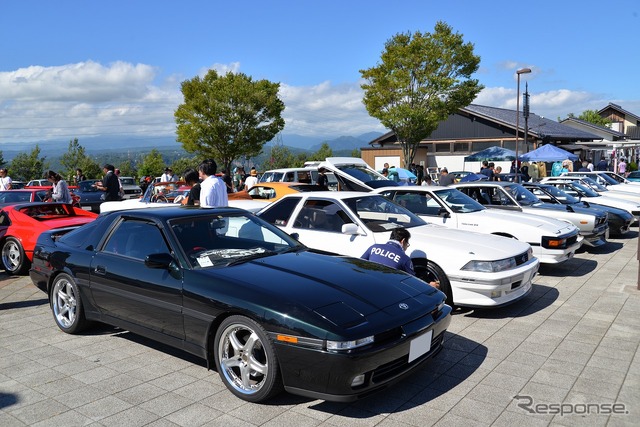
514 197
21 224
619 220
354 174
271 191
130 188
633 176
473 269
611 183
16 185
39 183
166 194
551 240
31 194
592 183
90 196
264 310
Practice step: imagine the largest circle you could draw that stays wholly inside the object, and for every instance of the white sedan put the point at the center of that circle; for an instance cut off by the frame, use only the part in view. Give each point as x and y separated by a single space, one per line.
473 269
553 241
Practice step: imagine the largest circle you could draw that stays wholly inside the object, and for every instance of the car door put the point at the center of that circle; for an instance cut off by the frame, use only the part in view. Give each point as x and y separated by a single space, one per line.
125 288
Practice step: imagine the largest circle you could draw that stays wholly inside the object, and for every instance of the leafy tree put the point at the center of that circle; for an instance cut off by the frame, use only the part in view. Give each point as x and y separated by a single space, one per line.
127 168
592 116
280 157
25 167
152 164
76 157
2 161
323 152
422 79
184 163
357 153
228 117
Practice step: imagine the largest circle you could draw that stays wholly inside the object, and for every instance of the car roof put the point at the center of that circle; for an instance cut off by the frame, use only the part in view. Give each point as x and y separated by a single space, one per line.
171 212
484 183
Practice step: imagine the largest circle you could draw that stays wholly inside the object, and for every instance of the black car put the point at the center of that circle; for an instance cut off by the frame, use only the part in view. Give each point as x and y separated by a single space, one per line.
90 196
252 301
619 220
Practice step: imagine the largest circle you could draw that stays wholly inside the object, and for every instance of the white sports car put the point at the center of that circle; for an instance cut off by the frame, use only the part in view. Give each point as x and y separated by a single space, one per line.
552 241
473 269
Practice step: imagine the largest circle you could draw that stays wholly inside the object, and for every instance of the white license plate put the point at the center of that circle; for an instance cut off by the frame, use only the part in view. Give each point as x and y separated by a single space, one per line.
420 346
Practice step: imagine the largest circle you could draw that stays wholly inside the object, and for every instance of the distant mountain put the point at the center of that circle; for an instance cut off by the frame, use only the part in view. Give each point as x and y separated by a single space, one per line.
310 143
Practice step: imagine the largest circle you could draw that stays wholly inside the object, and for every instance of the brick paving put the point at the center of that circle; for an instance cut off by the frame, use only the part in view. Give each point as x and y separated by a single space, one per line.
570 346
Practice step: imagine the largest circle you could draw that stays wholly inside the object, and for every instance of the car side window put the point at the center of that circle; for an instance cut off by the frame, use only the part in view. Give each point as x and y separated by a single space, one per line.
280 213
322 215
136 239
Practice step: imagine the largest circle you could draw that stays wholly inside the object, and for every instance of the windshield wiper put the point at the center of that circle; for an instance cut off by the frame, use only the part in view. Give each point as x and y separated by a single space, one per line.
250 257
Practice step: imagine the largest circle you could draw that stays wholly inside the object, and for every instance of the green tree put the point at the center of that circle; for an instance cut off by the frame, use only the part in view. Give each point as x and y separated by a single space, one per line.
422 79
323 152
25 167
228 117
279 157
76 157
127 168
592 116
2 160
184 163
357 153
152 164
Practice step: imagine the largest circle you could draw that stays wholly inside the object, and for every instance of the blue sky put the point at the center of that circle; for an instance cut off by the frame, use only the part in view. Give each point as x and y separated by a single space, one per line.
71 68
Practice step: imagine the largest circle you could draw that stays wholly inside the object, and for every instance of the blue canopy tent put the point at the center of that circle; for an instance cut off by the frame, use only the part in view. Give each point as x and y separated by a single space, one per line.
548 153
492 154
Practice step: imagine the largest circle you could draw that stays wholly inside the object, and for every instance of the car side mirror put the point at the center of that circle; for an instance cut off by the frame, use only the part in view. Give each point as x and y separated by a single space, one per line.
161 260
350 229
443 213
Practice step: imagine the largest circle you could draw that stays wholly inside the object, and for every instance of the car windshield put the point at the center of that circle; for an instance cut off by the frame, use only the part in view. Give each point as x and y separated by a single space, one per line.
583 190
362 173
458 201
560 194
216 240
381 214
127 181
523 196
594 184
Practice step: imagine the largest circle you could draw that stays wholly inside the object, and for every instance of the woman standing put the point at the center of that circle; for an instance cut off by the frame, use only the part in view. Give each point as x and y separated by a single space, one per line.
60 191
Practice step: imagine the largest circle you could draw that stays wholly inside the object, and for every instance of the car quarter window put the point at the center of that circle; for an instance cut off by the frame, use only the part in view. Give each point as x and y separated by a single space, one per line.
418 203
280 213
322 215
136 239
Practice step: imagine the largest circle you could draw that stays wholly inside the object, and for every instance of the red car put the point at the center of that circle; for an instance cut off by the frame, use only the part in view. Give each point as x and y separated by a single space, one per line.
21 224
30 194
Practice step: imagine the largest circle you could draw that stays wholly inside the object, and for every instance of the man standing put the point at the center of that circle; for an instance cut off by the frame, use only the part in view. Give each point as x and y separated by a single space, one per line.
168 176
213 191
5 180
322 178
445 179
110 184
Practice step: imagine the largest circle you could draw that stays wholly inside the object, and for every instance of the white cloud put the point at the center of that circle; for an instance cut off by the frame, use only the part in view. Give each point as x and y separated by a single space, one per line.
90 99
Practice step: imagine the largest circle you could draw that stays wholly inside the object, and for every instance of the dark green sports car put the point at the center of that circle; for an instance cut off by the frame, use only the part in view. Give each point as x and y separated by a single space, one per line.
266 311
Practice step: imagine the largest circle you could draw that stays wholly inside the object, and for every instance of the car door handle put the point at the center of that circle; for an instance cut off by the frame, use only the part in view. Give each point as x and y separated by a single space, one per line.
101 269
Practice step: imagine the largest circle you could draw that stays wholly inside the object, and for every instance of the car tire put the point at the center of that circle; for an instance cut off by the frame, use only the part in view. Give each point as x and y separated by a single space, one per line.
246 360
66 305
14 260
433 273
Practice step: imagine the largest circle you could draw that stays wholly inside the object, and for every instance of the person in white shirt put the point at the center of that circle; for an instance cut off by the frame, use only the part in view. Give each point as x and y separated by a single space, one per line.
168 176
213 190
251 180
60 190
5 180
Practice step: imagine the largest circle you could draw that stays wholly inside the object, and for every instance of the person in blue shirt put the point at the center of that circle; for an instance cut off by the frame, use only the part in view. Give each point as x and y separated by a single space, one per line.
392 253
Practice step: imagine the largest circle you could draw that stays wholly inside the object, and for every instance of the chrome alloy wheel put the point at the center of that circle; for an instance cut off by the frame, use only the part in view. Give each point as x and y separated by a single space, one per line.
64 303
242 358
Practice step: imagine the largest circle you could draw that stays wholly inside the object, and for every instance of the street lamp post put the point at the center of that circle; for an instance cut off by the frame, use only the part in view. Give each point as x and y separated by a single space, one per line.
518 72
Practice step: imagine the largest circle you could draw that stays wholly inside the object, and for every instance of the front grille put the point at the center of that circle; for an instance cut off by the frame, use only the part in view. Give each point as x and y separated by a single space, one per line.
396 367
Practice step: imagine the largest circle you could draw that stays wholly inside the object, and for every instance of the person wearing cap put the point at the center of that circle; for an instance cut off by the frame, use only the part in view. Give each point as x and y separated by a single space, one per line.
251 180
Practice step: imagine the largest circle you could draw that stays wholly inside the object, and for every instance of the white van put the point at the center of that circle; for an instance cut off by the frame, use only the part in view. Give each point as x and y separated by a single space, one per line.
303 175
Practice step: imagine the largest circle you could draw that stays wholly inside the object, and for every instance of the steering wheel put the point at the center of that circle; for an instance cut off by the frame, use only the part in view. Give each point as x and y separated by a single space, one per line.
159 198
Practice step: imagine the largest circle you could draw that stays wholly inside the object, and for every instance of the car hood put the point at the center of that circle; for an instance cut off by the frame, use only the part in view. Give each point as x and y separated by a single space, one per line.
343 290
521 219
566 208
485 247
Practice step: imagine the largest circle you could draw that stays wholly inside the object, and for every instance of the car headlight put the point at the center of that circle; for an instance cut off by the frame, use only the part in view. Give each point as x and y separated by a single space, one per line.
490 266
348 345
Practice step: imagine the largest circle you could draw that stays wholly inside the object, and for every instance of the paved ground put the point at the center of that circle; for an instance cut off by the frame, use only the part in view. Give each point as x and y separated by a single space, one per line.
570 347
